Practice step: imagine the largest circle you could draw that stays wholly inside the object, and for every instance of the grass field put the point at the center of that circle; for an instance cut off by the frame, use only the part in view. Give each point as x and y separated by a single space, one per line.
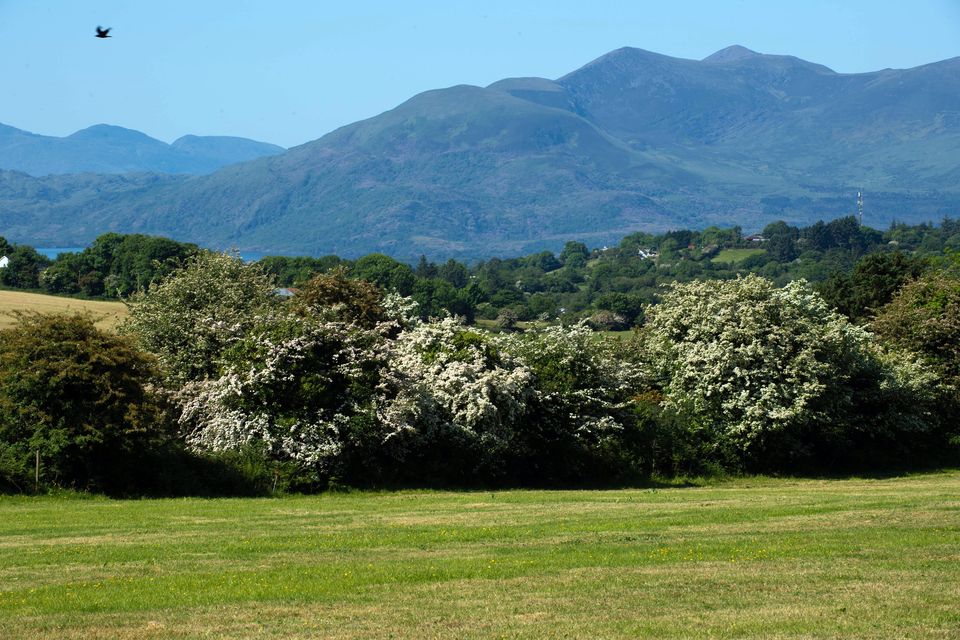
735 256
752 558
109 313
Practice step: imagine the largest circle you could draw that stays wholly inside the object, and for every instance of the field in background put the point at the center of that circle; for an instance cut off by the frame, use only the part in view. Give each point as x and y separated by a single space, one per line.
735 256
750 558
109 313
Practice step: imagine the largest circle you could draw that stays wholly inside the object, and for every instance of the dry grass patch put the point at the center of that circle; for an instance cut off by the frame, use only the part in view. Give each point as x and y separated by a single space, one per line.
108 314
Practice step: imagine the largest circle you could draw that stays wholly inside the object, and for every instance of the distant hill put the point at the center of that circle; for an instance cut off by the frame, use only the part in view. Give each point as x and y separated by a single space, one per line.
108 149
631 141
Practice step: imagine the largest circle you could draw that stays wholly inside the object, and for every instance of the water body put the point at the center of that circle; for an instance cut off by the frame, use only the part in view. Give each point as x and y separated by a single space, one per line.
53 252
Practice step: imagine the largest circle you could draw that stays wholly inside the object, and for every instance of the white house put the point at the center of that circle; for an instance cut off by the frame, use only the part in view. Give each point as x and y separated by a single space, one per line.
4 261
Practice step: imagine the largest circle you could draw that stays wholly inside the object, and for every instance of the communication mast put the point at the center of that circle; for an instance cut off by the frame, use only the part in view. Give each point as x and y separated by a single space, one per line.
860 206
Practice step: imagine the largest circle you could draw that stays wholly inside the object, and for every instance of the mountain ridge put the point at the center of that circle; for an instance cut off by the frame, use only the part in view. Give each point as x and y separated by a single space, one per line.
106 148
633 140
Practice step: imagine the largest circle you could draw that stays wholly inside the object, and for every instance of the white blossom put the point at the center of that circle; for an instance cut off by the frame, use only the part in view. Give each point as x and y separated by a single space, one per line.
749 359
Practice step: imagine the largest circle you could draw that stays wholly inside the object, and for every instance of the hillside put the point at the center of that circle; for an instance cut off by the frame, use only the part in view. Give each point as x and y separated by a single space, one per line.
108 149
631 141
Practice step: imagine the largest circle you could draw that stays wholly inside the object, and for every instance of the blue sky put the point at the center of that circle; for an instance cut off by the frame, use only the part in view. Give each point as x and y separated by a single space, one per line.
288 72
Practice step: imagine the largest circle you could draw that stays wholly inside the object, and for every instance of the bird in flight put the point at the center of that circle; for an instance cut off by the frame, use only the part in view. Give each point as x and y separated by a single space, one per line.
103 33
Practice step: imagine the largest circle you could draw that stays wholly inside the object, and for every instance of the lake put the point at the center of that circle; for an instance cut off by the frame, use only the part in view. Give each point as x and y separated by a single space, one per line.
53 252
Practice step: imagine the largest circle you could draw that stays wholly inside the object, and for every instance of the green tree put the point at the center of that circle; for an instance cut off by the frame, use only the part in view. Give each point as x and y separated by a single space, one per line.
544 261
127 262
436 297
287 271
781 241
454 273
191 317
386 272
574 255
873 283
63 276
628 305
23 271
426 269
80 397
924 317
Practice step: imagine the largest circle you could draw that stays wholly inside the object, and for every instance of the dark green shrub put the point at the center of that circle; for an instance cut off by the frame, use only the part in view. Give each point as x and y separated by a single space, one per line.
80 397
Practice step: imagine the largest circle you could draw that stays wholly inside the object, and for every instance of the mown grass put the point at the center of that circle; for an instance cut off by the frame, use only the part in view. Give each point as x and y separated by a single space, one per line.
107 314
752 558
734 256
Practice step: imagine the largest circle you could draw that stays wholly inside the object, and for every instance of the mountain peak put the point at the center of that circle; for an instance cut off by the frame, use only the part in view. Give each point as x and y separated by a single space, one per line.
110 131
731 54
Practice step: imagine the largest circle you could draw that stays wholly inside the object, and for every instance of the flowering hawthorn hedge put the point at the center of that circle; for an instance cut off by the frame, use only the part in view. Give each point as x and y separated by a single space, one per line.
780 379
347 382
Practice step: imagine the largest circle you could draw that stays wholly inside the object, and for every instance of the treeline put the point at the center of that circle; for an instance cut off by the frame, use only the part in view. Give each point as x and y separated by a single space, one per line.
609 286
115 265
217 385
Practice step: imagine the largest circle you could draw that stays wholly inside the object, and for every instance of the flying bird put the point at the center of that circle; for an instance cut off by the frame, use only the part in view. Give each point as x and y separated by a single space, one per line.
103 33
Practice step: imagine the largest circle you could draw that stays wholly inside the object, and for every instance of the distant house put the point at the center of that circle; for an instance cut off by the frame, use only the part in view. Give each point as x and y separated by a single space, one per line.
4 262
755 238
285 292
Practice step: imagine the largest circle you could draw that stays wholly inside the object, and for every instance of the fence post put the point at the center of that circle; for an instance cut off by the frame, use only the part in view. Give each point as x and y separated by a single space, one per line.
36 475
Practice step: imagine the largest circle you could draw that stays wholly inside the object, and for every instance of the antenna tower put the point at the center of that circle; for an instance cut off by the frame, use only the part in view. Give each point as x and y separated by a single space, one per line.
860 206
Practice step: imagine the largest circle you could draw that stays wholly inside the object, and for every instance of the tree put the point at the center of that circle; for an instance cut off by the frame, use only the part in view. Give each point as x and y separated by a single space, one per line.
577 420
191 317
608 321
126 263
63 276
425 269
628 305
781 241
846 233
873 283
454 273
780 379
303 388
287 271
924 317
460 400
436 298
574 255
507 320
303 381
544 261
386 272
336 297
817 237
77 395
23 271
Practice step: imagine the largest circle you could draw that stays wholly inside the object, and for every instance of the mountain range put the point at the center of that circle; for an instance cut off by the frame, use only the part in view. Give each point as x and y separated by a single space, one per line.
105 148
631 141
